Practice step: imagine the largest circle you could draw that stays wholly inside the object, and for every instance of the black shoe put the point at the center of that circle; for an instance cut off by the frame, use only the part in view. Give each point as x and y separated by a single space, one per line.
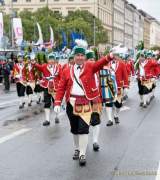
76 155
144 106
22 106
148 103
39 101
95 147
56 120
46 123
82 160
116 120
30 104
110 123
141 104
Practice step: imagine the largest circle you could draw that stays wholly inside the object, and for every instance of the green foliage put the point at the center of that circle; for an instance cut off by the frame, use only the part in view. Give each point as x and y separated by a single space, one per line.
79 21
154 48
140 45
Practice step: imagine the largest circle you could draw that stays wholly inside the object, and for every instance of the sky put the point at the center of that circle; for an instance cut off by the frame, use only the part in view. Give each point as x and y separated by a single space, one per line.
152 7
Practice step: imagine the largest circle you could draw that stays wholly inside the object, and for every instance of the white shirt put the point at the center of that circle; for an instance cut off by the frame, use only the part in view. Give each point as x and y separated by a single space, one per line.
76 89
141 68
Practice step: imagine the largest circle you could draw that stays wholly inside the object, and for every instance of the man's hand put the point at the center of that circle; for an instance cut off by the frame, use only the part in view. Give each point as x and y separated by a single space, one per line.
110 56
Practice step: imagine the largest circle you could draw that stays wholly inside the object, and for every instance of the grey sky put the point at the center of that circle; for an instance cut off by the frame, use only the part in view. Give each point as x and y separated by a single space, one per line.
152 7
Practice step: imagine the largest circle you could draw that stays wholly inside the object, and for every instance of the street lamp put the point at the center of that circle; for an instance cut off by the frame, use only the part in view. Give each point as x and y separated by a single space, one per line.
94 30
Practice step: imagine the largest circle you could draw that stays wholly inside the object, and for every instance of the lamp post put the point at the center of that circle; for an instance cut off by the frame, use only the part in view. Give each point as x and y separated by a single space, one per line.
12 31
94 30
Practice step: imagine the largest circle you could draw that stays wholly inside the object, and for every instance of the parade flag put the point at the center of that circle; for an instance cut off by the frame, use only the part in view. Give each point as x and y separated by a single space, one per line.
18 31
51 37
1 26
64 39
40 40
73 37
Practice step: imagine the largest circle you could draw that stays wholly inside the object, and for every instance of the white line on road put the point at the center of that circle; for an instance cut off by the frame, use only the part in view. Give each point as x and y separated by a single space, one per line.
158 172
13 135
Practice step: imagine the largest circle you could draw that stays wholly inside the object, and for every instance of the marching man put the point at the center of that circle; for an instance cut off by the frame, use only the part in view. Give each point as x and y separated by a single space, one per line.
51 76
19 75
117 68
78 82
145 73
30 77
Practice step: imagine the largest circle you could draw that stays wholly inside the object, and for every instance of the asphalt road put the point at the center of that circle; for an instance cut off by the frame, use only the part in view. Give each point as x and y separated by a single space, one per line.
129 151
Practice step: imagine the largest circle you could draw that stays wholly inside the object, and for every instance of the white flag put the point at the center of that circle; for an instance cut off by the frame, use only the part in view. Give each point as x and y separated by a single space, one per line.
40 40
51 36
18 31
1 26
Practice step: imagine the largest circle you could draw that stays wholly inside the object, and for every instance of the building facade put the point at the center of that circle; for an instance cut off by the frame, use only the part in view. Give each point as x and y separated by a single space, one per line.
118 22
154 33
128 31
101 9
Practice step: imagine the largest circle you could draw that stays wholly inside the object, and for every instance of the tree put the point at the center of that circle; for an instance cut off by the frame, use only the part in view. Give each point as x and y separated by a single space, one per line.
79 21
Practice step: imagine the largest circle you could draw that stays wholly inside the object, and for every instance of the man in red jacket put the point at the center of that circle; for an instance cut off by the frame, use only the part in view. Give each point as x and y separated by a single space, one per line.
30 77
19 74
51 76
78 82
145 73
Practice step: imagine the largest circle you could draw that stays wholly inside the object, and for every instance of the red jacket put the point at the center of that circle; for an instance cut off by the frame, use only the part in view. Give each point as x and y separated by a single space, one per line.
121 74
130 67
49 78
19 72
150 69
30 72
87 80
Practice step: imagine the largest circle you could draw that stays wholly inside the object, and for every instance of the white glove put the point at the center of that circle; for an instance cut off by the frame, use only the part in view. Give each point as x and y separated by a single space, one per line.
17 76
57 109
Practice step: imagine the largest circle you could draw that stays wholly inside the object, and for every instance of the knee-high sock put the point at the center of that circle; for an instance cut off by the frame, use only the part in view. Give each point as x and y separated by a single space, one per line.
42 96
83 142
96 130
109 113
38 96
116 112
145 98
76 141
30 98
141 98
47 114
21 100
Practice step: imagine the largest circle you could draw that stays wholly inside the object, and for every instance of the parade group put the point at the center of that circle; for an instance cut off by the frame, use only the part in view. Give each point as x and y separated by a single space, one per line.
86 85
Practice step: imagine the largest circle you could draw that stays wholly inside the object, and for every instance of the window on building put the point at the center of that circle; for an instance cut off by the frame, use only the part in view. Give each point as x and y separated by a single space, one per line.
14 0
56 0
42 0
104 2
28 0
70 11
56 11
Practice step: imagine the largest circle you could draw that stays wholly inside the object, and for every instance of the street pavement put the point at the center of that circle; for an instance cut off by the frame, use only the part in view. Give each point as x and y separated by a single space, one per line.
29 151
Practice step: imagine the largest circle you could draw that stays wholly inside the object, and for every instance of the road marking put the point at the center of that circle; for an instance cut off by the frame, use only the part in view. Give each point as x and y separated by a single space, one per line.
13 135
158 172
125 108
